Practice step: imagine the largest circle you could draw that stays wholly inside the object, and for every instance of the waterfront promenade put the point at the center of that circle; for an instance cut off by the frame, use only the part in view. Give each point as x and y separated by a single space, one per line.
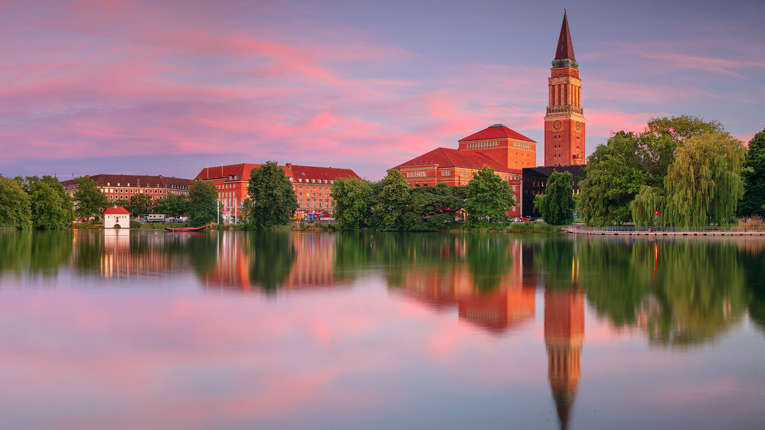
597 232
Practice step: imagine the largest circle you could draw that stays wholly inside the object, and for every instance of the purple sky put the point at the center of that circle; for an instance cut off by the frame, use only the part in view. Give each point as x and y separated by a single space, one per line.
108 86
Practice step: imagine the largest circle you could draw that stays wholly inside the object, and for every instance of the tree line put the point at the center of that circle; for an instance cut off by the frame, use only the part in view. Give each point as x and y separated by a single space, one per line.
44 204
681 171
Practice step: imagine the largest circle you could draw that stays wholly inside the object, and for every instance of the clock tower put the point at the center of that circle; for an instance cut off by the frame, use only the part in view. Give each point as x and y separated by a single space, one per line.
564 121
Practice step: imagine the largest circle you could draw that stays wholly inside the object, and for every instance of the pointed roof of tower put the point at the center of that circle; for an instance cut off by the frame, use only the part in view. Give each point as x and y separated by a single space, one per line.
565 46
564 53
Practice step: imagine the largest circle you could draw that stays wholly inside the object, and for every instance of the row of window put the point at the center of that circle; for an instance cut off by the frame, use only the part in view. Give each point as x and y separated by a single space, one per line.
314 181
483 145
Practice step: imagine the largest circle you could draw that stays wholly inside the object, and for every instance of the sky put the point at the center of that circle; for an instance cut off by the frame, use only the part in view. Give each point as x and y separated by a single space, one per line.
170 87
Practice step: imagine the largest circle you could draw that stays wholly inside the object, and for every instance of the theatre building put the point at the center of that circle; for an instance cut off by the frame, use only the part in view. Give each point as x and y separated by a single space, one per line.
497 147
122 187
312 185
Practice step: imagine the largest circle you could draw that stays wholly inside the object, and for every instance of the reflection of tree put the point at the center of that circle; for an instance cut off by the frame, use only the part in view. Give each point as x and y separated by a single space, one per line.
201 249
50 249
88 251
680 293
488 259
15 250
753 262
272 255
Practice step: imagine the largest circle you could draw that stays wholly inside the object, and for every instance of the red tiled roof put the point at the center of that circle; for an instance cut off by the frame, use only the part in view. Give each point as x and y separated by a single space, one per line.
116 210
494 132
291 170
134 181
446 157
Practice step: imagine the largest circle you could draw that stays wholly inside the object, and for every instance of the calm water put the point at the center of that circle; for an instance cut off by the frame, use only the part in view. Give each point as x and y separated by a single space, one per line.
231 330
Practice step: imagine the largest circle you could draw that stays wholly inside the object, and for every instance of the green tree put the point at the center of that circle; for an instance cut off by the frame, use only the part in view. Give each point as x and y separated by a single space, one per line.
613 177
433 208
683 127
704 182
272 195
754 178
556 205
644 206
15 206
203 199
89 199
51 206
488 197
174 205
353 200
392 202
140 205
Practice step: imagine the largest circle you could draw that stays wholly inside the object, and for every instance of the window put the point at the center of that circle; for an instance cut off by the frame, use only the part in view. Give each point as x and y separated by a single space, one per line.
417 174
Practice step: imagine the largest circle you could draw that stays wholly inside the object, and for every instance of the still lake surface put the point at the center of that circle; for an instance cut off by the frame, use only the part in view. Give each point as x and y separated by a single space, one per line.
231 330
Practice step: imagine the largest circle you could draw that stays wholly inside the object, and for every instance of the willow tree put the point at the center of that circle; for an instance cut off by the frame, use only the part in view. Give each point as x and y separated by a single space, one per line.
703 184
648 207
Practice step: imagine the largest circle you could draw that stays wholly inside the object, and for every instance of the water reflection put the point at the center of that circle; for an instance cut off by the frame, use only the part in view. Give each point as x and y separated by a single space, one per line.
673 294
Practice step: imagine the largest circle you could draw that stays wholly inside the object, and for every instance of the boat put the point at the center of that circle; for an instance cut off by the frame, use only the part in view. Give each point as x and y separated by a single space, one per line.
184 229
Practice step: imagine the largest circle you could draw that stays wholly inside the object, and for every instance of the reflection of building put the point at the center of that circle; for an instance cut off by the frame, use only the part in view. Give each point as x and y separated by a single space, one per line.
314 263
117 259
499 309
564 333
312 185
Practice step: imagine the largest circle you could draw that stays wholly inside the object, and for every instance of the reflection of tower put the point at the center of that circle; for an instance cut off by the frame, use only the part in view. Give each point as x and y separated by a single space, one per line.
564 332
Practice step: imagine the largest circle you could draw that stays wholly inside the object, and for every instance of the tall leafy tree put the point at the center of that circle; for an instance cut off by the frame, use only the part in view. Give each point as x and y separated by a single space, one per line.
203 199
353 200
174 205
51 206
15 206
704 182
488 197
754 178
613 177
89 199
434 208
140 205
556 205
392 202
683 127
272 195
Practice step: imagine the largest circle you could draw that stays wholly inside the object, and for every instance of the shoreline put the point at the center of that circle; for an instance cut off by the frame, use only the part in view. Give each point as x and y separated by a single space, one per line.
577 231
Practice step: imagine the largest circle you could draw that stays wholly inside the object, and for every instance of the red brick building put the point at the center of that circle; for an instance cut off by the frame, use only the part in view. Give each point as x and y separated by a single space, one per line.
312 185
498 147
564 121
122 187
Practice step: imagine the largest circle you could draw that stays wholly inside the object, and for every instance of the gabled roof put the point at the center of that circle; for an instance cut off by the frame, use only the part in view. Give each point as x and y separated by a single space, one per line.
242 171
446 157
496 131
116 210
565 46
134 181
312 172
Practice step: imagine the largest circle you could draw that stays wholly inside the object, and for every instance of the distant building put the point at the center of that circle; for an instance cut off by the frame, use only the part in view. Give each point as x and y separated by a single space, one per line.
498 147
122 187
312 185
564 120
535 182
116 217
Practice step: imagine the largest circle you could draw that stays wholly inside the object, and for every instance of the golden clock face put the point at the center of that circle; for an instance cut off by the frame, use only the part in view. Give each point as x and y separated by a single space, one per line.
557 125
578 126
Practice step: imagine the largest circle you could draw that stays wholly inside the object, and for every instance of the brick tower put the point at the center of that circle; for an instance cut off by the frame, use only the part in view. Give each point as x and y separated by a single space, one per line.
564 121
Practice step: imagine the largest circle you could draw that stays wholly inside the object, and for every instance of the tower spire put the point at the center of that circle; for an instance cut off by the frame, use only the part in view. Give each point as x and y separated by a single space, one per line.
565 49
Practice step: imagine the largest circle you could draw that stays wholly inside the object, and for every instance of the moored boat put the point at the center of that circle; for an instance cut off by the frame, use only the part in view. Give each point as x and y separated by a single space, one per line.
184 229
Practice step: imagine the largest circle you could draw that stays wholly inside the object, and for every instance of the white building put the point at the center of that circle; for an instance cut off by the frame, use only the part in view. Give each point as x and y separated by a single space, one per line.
116 217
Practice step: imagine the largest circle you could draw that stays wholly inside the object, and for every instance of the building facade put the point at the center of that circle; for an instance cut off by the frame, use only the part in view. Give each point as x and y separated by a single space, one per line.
122 187
535 182
116 217
313 186
498 147
564 120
